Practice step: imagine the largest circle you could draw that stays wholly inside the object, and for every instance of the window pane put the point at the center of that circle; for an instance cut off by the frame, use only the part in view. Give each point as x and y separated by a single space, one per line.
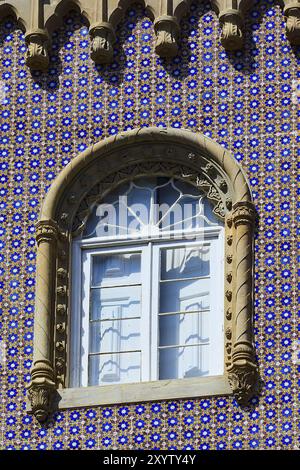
114 368
183 329
184 296
114 336
179 363
184 263
115 302
116 270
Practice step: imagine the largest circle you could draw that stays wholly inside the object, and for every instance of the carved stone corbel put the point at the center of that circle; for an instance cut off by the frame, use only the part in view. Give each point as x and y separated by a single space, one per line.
103 38
232 24
37 57
41 390
242 373
167 34
292 16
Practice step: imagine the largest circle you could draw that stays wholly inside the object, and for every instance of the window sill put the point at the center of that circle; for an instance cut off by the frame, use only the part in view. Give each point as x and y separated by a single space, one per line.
141 392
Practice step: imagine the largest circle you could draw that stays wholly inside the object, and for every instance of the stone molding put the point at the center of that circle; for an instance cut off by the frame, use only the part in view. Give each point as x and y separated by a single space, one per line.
89 177
39 18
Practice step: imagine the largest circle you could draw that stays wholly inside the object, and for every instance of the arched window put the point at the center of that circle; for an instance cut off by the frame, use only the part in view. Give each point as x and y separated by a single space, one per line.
144 275
149 301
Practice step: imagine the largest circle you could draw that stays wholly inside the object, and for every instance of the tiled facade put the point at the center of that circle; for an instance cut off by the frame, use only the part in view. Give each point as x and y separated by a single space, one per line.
245 101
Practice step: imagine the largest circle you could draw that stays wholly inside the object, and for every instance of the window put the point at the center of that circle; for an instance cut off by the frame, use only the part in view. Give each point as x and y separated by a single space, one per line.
146 278
150 303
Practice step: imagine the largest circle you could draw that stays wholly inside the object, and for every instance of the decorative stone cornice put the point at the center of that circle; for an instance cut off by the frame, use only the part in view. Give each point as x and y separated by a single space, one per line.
39 18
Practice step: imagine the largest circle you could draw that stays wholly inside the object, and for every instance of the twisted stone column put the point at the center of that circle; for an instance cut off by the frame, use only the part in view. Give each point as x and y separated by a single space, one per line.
42 383
243 371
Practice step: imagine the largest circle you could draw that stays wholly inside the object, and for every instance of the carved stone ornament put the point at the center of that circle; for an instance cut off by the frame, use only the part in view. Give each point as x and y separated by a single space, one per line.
167 34
41 390
103 38
292 15
243 378
39 18
92 175
37 54
232 30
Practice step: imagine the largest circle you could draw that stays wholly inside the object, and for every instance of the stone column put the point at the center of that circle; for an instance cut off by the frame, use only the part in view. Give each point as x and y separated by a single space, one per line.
42 383
242 373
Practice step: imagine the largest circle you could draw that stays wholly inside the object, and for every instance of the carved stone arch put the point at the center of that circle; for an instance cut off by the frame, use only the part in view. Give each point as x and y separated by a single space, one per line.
55 12
94 172
11 9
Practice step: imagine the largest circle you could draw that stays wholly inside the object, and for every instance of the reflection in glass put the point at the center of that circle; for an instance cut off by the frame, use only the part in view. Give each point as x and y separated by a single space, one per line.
119 269
107 369
114 336
183 329
179 363
184 296
147 206
115 302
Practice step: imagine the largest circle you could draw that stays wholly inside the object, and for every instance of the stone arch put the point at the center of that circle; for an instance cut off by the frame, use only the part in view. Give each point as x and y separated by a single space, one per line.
91 175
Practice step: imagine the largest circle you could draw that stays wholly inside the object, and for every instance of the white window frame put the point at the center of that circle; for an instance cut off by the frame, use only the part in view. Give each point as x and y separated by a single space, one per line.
149 248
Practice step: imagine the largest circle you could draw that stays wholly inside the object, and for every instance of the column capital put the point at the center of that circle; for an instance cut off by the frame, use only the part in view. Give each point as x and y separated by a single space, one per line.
243 213
46 231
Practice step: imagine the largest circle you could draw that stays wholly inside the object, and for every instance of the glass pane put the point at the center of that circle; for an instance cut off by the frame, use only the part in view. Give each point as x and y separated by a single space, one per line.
183 329
179 363
148 205
184 263
115 302
115 368
184 296
114 336
116 269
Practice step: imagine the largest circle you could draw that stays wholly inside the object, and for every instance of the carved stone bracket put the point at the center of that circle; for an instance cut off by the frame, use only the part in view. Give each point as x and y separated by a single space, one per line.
103 38
232 29
41 17
41 389
292 16
167 34
37 54
243 377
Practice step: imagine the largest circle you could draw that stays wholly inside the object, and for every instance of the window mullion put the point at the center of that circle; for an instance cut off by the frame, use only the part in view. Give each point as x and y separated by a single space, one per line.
145 312
85 316
155 271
